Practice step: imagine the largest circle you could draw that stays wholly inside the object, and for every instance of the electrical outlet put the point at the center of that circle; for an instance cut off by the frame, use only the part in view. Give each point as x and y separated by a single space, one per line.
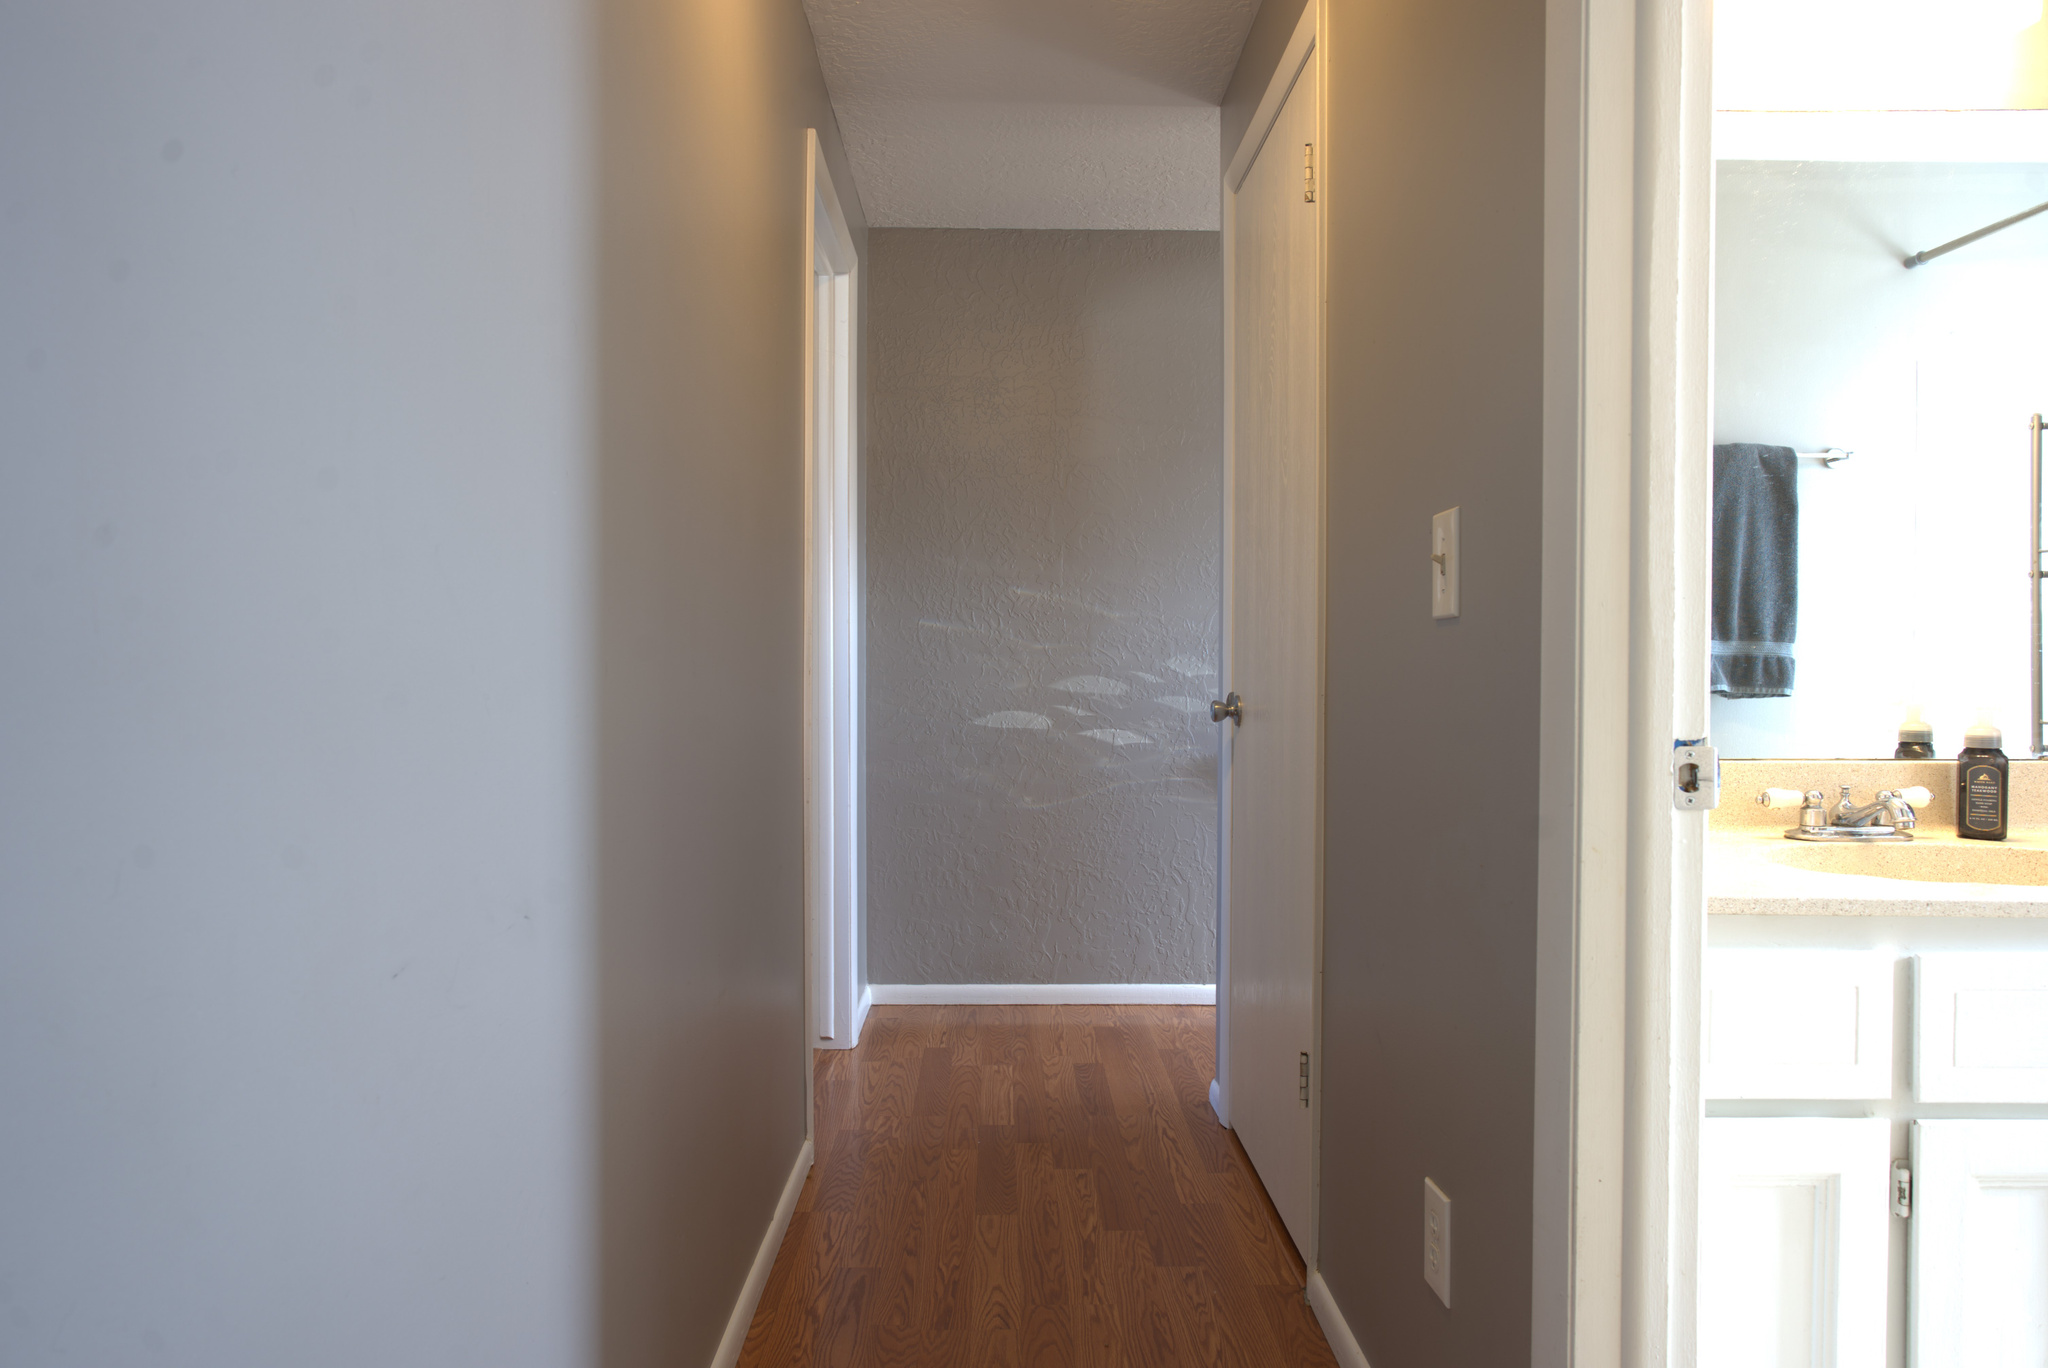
1436 1240
1443 564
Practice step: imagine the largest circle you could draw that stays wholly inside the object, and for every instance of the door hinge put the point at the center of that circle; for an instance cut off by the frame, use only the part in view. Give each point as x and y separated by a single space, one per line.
1902 1188
1695 776
1304 1078
1308 173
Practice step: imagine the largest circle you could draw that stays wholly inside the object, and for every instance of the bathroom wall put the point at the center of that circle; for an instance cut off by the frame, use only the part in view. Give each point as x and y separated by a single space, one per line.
400 586
1433 184
1044 505
1912 556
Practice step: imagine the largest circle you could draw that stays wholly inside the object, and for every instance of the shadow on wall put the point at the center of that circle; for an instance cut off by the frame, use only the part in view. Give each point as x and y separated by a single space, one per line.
1044 513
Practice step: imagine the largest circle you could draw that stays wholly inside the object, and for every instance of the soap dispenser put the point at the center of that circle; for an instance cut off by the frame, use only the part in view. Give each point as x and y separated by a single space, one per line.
1916 738
1981 783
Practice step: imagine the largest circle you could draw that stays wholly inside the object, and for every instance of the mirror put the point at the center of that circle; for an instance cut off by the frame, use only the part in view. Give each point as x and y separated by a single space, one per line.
1911 555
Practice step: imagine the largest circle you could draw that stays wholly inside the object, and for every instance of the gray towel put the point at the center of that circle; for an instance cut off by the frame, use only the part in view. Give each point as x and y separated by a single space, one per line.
1756 569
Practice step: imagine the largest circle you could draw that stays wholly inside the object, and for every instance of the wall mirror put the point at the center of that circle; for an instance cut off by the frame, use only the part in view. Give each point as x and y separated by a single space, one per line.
1905 395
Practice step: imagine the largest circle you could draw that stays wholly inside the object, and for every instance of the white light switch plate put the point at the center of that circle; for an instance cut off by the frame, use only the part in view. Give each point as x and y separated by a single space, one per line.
1436 1240
1443 564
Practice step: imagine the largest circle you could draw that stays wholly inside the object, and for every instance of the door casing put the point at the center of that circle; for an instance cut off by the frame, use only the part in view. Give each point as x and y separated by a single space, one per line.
832 655
1627 433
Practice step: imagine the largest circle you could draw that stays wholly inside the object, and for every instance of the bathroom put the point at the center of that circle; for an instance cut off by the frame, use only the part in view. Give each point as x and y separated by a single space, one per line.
1874 1030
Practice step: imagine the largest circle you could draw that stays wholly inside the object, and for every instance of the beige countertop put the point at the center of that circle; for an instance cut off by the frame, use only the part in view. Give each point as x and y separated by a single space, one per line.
1752 870
1755 872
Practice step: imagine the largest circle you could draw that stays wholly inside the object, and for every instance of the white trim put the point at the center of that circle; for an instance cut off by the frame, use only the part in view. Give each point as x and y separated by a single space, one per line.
1670 68
1889 135
860 1014
1292 59
1022 994
832 640
1621 912
1336 1329
764 1263
1582 780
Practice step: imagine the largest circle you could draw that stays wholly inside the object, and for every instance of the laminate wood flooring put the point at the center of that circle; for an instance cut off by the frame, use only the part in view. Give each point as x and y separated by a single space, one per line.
1031 1187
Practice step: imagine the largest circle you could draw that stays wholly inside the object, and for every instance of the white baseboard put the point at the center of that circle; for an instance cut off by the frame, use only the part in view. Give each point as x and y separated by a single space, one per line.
1343 1343
764 1263
1019 994
860 1017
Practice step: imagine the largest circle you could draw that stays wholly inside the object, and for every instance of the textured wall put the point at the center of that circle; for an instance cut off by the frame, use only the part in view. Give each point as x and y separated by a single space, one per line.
1044 504
1433 186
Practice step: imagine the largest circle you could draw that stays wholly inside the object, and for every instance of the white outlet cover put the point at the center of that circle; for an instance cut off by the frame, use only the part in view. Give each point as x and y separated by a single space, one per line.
1443 574
1436 1240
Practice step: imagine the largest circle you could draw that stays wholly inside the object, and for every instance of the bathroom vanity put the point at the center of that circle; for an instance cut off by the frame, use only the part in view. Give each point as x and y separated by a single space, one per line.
1874 1184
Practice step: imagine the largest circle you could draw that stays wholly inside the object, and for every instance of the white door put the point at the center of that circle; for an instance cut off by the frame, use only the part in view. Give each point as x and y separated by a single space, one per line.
1980 1244
1795 1220
1273 661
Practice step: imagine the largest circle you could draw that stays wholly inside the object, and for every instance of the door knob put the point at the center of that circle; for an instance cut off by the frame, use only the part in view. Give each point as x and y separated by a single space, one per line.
1231 707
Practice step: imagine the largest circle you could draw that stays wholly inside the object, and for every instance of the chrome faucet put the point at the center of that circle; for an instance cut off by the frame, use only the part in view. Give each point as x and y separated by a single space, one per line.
1889 818
1896 811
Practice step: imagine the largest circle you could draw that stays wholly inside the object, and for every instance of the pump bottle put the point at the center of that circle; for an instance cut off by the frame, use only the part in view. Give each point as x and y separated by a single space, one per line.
1982 786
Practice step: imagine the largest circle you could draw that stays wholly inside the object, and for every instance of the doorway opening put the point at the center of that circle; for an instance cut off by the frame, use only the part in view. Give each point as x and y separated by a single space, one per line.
832 656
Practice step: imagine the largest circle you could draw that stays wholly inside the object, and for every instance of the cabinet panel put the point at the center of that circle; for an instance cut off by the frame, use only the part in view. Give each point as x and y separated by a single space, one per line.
1980 1244
1980 1027
1797 1024
1795 1219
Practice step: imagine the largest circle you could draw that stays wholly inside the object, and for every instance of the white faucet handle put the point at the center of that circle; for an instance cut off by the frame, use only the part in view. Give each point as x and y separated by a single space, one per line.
1781 798
1919 795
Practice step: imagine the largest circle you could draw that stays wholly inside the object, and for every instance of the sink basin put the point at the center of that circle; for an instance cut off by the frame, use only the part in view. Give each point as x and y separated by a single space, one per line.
1982 862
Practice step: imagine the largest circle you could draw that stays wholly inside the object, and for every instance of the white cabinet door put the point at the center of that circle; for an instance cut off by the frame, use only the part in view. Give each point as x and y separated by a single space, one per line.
1795 1225
1797 1024
1980 1027
1273 627
1980 1244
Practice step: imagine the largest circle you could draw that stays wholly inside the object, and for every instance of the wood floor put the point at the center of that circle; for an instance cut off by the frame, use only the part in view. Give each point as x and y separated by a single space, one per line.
1041 1186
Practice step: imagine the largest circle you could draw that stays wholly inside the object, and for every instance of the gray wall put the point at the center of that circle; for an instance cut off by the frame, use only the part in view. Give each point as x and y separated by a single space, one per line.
398 437
697 651
1433 185
1044 504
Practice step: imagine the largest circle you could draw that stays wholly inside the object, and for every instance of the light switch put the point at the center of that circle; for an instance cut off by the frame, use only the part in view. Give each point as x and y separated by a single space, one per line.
1443 564
1436 1240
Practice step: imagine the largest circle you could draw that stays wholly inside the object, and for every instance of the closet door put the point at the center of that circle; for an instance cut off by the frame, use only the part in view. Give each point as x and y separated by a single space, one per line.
1795 1224
1979 1244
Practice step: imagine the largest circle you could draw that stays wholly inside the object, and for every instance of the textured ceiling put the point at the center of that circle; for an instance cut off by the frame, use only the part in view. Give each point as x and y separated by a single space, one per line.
1031 113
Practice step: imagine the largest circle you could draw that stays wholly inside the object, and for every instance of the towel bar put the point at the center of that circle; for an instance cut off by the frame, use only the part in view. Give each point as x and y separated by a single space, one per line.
1827 456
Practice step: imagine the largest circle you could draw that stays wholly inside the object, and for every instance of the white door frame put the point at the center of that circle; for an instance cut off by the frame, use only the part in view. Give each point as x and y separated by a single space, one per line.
1302 48
1621 909
832 732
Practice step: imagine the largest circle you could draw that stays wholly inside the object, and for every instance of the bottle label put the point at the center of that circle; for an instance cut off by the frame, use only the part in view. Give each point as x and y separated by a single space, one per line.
1981 798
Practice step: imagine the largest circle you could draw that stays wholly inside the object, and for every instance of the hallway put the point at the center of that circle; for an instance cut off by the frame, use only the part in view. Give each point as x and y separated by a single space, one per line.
1030 1185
